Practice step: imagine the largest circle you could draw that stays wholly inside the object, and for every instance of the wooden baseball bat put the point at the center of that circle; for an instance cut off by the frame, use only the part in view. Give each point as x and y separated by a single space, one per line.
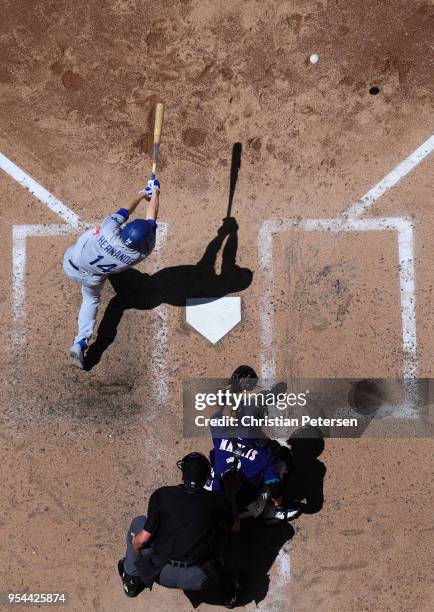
158 126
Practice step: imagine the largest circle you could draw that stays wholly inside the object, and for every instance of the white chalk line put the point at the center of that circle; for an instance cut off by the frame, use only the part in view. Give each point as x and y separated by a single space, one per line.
159 358
72 220
279 600
349 221
20 233
44 196
391 179
73 223
404 229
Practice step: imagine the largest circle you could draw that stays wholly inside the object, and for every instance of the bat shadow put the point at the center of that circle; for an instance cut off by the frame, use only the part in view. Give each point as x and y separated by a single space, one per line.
173 285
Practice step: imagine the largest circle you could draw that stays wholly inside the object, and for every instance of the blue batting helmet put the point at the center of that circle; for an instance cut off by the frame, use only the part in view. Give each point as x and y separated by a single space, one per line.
136 232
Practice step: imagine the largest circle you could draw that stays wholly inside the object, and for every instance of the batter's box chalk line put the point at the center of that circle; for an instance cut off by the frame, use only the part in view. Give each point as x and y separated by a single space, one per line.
20 233
350 221
347 221
71 224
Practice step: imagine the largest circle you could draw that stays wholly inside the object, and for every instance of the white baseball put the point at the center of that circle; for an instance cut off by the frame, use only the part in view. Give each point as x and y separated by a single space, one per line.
314 58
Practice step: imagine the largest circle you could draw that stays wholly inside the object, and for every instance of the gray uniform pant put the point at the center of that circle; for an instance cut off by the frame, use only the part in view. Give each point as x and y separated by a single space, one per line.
91 288
173 577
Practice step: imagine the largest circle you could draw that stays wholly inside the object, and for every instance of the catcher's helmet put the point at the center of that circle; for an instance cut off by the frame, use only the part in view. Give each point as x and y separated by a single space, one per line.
196 469
243 379
307 442
135 233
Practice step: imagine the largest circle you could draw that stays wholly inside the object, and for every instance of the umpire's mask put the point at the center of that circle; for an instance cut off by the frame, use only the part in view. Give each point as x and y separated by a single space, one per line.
196 470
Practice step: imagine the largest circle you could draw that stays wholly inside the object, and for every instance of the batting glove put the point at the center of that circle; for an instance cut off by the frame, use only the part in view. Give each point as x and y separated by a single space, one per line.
153 184
147 192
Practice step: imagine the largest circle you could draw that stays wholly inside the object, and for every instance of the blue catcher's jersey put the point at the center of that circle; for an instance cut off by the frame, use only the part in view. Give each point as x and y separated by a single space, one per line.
101 251
257 464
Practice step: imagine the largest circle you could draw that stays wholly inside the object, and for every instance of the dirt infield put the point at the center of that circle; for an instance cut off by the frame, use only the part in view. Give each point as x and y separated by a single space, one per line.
81 451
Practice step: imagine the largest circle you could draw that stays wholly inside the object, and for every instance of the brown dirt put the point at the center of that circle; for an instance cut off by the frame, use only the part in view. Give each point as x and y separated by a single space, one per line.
81 452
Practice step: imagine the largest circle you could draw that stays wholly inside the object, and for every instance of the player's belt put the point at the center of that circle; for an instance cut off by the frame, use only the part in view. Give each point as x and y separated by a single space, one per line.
184 564
74 266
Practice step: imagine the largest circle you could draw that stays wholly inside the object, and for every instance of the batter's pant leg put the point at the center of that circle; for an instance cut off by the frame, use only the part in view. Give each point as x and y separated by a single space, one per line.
88 310
133 557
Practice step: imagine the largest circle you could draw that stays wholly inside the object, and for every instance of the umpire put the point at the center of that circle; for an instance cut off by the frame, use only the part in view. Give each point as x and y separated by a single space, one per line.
185 540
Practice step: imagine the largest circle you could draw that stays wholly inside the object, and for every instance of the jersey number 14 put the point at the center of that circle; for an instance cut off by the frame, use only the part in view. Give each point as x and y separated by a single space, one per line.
103 267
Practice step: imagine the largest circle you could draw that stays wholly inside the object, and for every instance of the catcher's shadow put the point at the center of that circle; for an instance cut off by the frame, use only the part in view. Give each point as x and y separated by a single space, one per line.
173 285
258 546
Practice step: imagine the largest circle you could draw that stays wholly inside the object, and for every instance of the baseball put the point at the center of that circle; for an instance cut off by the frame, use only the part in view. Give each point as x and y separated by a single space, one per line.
314 58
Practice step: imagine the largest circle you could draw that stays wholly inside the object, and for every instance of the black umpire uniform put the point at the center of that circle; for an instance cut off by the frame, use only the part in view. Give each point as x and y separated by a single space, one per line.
186 534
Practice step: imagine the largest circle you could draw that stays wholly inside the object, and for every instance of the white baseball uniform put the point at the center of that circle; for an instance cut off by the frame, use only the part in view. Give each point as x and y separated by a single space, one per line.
97 254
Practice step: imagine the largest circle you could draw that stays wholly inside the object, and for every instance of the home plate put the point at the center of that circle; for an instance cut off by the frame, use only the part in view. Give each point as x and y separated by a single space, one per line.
213 317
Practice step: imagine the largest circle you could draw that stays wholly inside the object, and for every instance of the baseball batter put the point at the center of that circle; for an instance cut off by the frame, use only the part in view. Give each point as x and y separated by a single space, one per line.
112 247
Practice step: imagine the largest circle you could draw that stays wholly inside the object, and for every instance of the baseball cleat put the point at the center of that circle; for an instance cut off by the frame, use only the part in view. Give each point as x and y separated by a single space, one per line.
132 585
292 513
287 514
281 514
76 353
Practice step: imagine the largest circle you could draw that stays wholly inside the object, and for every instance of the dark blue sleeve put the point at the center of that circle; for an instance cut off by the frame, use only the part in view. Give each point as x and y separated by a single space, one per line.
271 471
124 213
218 431
216 442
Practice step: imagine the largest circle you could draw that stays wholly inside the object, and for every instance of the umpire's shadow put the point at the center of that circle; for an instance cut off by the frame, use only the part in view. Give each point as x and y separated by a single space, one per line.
173 286
259 546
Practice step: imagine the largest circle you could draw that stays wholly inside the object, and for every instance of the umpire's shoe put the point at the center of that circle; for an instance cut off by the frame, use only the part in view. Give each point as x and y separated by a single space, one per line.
231 593
133 585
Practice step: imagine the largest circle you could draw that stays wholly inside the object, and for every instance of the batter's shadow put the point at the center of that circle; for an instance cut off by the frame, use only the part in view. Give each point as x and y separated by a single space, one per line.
172 285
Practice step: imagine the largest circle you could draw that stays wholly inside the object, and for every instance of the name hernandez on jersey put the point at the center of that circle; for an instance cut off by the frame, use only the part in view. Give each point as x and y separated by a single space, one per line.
101 251
114 252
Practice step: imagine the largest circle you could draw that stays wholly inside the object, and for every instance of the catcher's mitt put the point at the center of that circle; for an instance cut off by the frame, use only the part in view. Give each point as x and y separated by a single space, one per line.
243 379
